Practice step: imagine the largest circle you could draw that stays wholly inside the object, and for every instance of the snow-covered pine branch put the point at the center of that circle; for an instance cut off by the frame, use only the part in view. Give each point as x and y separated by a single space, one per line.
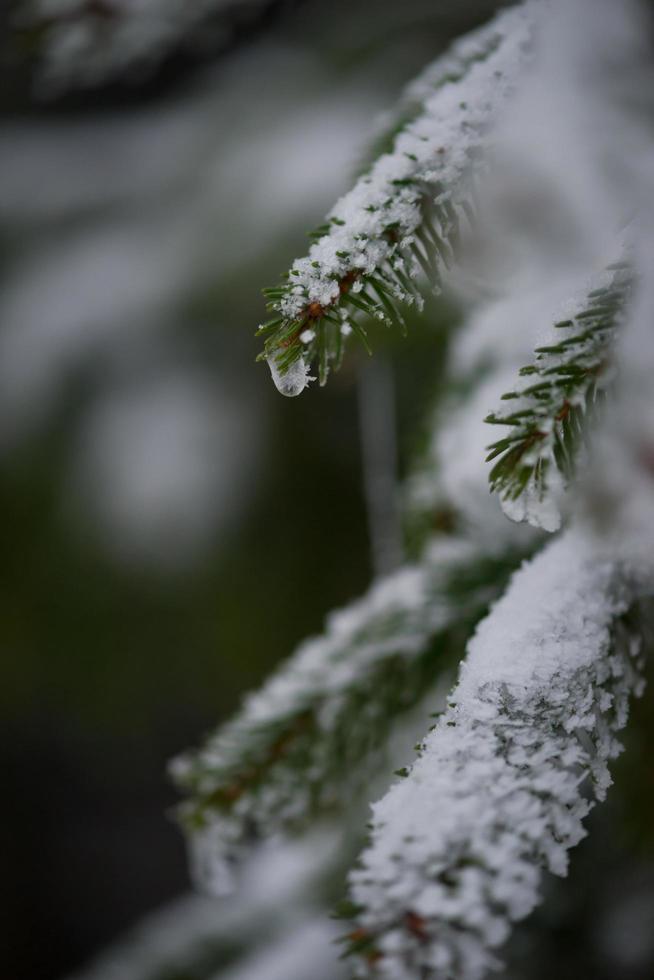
504 781
303 742
548 416
87 43
402 219
498 791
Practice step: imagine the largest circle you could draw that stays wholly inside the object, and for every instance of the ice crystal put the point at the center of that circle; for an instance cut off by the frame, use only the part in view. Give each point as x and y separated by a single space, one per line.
293 380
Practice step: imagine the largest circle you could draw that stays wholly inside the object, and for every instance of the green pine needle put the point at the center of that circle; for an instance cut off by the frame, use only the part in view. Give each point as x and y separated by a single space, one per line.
550 427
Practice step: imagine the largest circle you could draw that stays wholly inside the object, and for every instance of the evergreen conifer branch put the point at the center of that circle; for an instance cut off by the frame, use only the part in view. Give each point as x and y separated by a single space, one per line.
87 43
458 845
402 220
314 728
549 415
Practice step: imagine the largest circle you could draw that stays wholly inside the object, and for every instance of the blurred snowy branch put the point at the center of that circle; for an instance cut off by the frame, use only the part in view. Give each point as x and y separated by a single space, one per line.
274 918
87 43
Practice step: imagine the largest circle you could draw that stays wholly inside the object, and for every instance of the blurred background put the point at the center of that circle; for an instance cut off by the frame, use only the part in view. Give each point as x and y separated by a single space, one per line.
172 527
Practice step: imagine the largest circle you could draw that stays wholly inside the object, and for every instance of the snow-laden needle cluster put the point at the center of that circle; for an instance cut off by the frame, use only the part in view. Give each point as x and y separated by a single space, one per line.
301 744
548 416
498 791
403 217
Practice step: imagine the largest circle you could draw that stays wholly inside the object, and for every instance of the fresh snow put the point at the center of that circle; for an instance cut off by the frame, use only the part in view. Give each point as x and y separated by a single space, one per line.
435 149
499 789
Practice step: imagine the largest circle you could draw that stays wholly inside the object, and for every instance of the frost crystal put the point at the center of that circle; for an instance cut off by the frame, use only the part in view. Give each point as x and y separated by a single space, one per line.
496 794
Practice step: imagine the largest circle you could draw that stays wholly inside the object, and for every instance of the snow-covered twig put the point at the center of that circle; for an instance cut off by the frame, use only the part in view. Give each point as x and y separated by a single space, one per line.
498 791
547 416
312 732
403 217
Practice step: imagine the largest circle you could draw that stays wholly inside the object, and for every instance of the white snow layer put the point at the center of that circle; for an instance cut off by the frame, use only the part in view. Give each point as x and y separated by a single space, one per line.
397 619
458 846
437 148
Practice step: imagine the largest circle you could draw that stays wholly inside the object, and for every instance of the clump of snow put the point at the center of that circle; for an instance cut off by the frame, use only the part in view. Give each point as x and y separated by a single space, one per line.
536 505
